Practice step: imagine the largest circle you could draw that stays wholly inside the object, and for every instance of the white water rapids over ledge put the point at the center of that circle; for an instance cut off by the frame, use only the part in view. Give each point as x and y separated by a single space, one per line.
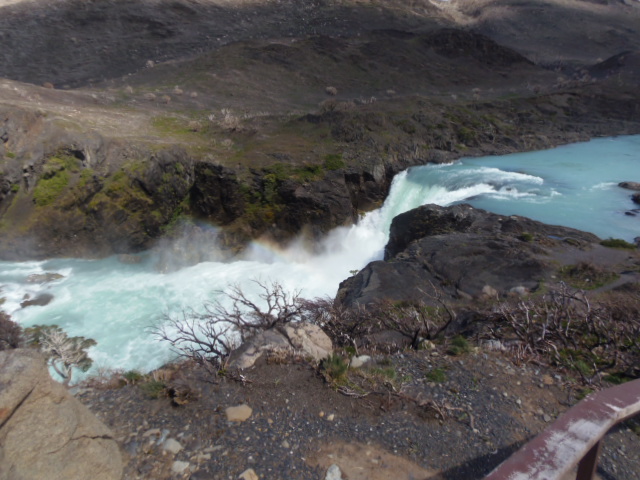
115 303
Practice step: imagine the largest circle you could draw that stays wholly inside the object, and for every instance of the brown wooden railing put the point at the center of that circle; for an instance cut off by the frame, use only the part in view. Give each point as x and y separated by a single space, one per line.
573 439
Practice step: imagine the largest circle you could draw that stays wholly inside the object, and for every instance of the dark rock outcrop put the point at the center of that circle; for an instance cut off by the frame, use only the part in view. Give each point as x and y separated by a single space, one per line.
45 433
39 300
630 185
461 252
320 205
636 198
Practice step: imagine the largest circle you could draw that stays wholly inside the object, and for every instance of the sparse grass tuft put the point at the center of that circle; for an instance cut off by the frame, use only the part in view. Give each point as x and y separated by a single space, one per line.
335 367
334 162
526 237
459 345
437 375
586 276
153 388
617 243
132 376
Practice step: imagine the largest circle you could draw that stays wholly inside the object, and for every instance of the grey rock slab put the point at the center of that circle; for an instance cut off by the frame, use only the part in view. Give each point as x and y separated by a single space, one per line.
45 432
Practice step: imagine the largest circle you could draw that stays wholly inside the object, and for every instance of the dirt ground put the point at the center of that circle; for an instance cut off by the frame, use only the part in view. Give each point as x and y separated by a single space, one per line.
410 415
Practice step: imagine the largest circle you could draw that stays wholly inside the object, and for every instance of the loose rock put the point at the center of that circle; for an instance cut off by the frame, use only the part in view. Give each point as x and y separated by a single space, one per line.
179 466
333 473
172 446
249 474
238 413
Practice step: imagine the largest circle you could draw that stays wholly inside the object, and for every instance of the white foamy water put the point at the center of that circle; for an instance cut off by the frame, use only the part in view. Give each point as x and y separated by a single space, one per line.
115 303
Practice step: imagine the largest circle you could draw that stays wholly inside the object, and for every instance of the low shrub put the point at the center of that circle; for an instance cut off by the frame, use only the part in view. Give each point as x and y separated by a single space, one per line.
335 367
153 389
617 243
459 345
437 375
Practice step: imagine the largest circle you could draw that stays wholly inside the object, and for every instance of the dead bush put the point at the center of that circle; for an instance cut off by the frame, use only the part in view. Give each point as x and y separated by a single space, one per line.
568 329
10 333
208 337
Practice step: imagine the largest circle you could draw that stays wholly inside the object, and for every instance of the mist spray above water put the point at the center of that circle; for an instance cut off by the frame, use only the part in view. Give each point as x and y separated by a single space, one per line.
115 303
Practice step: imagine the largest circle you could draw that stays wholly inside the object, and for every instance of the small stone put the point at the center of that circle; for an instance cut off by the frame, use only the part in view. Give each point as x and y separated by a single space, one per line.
331 417
547 380
172 446
519 402
179 467
249 474
519 290
321 414
153 431
239 413
489 291
333 473
358 362
546 418
202 457
286 444
505 394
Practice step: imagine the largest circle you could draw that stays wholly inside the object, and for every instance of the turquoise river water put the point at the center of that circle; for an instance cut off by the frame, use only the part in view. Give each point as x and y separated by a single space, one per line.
115 303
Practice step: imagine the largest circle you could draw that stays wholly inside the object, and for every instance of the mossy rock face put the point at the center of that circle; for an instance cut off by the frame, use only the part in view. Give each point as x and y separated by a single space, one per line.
77 211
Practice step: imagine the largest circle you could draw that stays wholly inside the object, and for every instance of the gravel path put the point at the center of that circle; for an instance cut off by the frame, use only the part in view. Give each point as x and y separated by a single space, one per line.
482 409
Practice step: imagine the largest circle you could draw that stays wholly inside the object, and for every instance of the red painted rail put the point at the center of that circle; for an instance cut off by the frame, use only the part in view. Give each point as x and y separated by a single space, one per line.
573 439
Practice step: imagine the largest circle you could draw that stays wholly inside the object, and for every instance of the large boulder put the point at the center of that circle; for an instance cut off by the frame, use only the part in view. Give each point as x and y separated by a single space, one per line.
45 433
460 252
302 338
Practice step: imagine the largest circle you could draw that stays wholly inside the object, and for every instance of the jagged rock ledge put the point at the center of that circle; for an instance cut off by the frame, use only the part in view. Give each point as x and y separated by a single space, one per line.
463 253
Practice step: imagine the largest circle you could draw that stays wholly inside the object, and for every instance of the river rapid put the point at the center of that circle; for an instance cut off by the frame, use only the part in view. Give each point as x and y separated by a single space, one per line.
116 303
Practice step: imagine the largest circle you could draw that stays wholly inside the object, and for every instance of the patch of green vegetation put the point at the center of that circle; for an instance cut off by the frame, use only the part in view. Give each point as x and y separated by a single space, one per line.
15 188
49 189
617 243
153 389
132 376
459 345
10 155
387 372
437 375
56 175
120 190
616 378
334 161
335 367
85 175
466 135
60 162
171 126
526 237
586 276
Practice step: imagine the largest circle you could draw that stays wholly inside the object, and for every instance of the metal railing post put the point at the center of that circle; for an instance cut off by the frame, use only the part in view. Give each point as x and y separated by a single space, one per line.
575 438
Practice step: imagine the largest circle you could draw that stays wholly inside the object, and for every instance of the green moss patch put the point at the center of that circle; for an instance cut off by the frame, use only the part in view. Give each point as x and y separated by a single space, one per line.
617 243
586 276
49 189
